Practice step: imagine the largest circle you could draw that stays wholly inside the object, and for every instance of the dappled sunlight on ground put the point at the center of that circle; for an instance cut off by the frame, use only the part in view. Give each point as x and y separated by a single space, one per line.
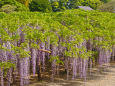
104 76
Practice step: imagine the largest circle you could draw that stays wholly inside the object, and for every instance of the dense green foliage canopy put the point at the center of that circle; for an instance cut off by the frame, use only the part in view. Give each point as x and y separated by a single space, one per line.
77 24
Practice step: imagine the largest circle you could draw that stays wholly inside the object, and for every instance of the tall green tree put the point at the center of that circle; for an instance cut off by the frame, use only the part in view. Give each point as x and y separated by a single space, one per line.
40 5
25 2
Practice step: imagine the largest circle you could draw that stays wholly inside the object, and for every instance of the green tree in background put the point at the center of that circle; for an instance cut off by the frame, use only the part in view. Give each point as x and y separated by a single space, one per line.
25 2
63 4
55 6
105 1
92 3
47 5
59 5
12 3
8 8
40 5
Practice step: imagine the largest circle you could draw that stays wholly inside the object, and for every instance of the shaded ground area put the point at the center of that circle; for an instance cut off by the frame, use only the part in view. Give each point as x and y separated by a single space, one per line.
104 76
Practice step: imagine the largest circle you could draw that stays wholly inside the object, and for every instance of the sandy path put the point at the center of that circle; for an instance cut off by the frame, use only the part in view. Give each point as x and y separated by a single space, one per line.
105 77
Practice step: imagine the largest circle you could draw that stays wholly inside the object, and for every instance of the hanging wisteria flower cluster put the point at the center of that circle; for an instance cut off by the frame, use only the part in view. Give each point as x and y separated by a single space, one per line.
74 39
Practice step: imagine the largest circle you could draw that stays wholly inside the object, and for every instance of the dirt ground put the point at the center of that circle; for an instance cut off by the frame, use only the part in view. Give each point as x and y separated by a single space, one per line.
106 78
98 77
